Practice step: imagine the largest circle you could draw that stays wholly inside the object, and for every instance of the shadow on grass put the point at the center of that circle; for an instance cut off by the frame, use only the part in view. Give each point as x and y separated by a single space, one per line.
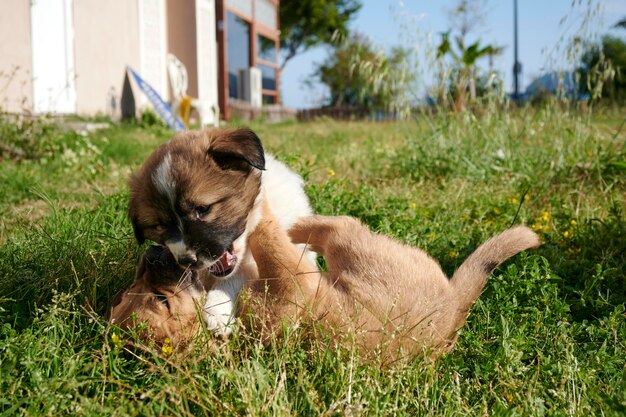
592 266
87 252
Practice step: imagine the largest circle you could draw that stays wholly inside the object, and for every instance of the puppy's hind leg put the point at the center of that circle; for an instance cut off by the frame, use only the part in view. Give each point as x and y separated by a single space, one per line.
324 234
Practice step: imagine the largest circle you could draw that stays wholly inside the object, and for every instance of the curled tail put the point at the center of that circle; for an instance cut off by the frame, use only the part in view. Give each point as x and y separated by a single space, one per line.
469 280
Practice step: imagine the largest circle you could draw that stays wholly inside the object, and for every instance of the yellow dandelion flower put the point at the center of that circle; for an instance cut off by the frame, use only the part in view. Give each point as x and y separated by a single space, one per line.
117 341
513 200
545 216
567 234
574 251
497 211
452 254
573 222
526 197
413 206
545 229
166 349
331 172
536 226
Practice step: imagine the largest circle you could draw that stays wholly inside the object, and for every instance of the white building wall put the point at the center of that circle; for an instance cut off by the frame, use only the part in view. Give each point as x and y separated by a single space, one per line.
16 61
106 41
153 45
207 52
82 48
52 31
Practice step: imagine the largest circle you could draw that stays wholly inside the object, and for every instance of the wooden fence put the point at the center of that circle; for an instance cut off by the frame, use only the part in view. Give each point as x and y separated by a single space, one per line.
270 113
346 113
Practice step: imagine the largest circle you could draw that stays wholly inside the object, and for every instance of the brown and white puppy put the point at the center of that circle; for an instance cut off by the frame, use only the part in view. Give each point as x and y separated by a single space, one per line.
164 296
199 195
388 297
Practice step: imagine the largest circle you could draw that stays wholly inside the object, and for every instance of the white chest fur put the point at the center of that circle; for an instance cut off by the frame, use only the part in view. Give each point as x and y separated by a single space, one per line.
284 190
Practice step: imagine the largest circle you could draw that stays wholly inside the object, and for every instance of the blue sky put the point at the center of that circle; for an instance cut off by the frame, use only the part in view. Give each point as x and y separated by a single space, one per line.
395 22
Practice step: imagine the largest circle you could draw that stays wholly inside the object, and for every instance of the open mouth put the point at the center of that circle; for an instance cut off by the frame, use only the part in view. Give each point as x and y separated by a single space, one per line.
225 264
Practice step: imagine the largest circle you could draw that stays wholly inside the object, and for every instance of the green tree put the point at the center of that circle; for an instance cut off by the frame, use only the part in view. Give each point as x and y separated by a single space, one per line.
603 70
360 75
307 23
464 17
464 60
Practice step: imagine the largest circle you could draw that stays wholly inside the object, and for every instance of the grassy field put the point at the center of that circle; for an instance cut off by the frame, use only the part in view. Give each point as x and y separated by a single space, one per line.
547 336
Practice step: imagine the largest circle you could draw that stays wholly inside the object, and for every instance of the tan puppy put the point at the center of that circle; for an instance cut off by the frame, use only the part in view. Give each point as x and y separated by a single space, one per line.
164 296
391 297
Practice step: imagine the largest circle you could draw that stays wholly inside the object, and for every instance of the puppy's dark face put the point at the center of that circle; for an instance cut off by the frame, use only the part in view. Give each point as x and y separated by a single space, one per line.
194 195
164 296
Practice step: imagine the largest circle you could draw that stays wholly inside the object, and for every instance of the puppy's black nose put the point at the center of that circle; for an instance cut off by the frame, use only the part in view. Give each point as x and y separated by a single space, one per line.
158 255
187 260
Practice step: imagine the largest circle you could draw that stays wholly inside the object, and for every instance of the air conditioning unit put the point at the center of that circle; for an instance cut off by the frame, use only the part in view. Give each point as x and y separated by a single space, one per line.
249 86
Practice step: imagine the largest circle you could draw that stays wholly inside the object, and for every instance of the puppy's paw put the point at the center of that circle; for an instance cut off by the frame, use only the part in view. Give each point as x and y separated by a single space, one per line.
221 325
310 231
320 233
224 334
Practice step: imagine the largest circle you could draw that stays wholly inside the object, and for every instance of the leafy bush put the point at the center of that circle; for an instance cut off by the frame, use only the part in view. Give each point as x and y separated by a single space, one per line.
603 70
362 76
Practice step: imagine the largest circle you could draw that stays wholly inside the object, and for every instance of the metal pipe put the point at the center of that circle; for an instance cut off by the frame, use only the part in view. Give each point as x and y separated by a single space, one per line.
517 66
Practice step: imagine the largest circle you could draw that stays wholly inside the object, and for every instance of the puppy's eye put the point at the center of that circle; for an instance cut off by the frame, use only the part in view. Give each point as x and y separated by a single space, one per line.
162 298
201 211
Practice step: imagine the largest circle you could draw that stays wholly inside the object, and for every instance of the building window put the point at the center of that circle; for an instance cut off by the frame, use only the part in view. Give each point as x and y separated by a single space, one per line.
268 75
238 41
267 62
266 49
248 37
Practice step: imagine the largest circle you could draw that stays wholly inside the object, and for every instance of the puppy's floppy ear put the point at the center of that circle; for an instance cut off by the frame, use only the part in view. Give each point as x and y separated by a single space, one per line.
134 183
138 234
136 228
117 298
238 149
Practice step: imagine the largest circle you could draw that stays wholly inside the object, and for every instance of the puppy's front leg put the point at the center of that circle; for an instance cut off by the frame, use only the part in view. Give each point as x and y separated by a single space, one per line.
219 308
287 285
280 263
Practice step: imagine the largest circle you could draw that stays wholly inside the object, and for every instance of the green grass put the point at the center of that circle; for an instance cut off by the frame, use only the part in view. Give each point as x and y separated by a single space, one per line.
547 336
